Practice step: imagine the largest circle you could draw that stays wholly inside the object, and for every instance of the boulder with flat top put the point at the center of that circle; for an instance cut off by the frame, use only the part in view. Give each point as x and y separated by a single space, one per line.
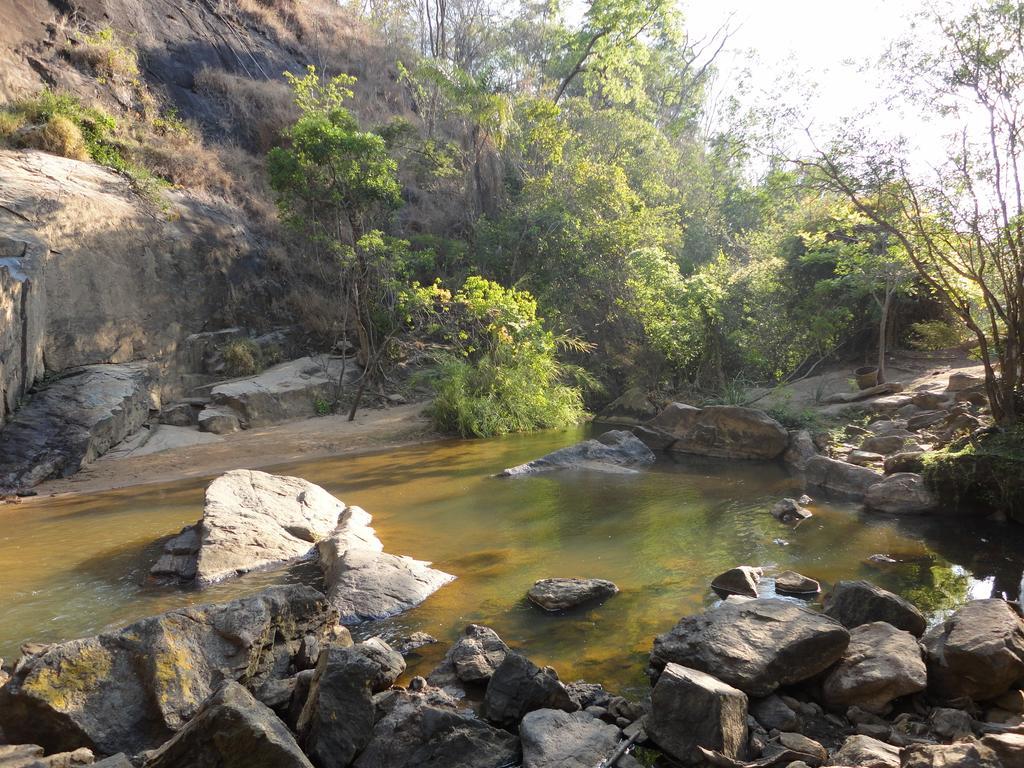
722 431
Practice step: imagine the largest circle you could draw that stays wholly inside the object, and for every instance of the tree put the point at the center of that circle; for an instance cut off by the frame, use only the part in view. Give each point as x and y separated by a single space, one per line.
962 228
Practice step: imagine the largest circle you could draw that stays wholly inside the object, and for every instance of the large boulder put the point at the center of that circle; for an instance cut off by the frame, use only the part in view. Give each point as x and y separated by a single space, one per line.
867 752
964 754
231 730
854 603
839 477
337 719
902 493
131 689
562 594
881 664
364 583
251 520
423 730
519 686
632 407
287 391
801 449
616 451
556 739
977 653
723 431
73 421
754 645
691 709
471 659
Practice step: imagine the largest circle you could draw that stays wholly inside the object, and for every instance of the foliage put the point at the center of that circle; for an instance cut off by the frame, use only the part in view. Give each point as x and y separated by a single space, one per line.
936 334
986 470
108 58
499 372
242 357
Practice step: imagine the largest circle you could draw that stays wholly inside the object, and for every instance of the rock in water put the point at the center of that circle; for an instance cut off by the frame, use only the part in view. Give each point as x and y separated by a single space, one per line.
903 493
801 449
978 652
472 659
881 664
867 752
251 520
789 511
555 739
131 689
741 580
691 709
425 731
616 450
723 431
840 478
72 422
519 686
793 583
231 730
562 594
754 645
853 603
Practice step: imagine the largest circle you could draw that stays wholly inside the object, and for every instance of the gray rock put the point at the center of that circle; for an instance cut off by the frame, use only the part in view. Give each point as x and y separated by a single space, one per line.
1009 748
691 709
976 653
562 594
962 380
867 752
793 583
338 716
389 662
519 686
131 689
881 664
179 415
810 751
472 659
904 461
951 724
854 603
631 407
903 493
926 420
555 739
962 755
774 714
723 431
251 520
616 450
422 730
754 645
789 511
865 458
73 421
655 439
218 420
741 580
120 760
840 478
801 449
231 730
886 444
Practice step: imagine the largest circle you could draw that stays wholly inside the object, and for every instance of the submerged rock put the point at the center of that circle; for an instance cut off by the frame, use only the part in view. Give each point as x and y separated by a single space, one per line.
977 653
231 729
742 580
562 594
881 664
616 450
722 431
789 511
691 709
251 520
131 689
754 645
853 603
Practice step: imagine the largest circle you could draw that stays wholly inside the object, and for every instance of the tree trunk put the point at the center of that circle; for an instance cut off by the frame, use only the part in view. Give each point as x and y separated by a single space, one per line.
883 326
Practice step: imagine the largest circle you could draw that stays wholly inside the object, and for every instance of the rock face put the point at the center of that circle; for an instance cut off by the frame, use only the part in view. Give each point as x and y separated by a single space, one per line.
1009 748
421 730
72 422
754 645
287 391
251 520
556 739
881 664
977 653
742 580
723 431
616 450
867 752
903 493
472 659
853 603
691 709
231 730
131 689
562 594
801 449
840 478
519 686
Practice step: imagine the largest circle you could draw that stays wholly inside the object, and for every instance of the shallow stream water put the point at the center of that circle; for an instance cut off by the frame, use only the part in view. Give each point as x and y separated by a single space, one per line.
75 565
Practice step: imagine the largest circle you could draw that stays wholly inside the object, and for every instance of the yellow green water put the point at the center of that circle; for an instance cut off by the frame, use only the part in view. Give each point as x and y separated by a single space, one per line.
73 566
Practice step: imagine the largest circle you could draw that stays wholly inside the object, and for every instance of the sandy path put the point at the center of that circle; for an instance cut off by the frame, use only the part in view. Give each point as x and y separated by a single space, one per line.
250 449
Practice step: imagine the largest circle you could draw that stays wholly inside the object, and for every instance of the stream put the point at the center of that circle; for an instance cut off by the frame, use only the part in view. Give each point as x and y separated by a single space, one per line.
72 566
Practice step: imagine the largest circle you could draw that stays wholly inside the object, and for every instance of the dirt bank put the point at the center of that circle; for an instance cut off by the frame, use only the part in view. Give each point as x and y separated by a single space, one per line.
279 444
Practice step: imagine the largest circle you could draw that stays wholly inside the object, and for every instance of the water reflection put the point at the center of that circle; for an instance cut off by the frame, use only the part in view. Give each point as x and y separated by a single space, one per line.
70 567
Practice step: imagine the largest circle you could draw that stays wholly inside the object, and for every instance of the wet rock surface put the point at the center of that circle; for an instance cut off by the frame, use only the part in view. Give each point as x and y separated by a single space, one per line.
616 450
563 594
853 603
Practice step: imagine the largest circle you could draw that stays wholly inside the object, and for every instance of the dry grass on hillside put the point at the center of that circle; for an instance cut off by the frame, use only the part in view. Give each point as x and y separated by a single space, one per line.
258 110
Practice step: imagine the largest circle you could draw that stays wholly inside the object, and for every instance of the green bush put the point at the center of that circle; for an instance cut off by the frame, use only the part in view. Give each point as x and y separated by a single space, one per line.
242 357
988 471
930 335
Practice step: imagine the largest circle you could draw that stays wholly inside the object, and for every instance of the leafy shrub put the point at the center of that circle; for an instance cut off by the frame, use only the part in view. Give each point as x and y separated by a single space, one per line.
242 357
936 334
792 418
